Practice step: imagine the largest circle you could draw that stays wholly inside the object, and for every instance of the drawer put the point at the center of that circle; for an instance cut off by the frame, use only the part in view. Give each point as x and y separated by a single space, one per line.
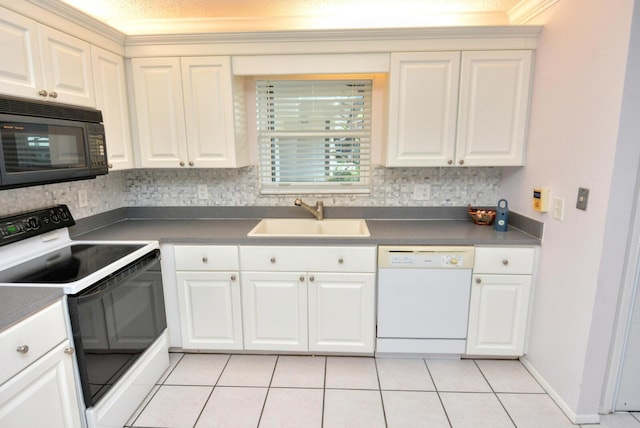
504 260
206 257
308 259
41 332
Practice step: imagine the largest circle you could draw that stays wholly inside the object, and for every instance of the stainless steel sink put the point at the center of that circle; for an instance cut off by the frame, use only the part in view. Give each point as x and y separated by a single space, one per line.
294 227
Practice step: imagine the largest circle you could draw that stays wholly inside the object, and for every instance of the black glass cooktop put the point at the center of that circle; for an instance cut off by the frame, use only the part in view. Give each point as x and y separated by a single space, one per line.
68 264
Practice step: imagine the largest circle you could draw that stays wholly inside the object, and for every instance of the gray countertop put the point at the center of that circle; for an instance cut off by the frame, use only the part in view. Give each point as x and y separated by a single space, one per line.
18 303
234 231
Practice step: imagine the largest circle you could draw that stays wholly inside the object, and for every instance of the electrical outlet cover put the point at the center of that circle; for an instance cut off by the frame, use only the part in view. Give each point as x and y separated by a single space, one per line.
583 199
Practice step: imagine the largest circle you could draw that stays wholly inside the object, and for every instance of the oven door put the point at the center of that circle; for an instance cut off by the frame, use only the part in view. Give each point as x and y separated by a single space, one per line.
114 322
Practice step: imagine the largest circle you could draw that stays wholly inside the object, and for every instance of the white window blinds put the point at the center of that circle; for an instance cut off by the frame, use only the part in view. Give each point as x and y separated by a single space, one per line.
314 135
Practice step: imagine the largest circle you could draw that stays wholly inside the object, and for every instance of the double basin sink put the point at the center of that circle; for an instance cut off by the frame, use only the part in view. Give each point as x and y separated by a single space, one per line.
296 227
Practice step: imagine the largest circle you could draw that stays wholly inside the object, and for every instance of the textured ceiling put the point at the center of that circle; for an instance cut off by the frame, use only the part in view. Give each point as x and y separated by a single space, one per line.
130 16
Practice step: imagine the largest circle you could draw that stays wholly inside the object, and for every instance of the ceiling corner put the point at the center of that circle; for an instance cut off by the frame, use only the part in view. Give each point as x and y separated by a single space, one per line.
525 10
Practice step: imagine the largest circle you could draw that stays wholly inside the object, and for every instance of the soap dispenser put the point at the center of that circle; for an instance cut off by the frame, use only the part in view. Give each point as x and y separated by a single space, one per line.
502 216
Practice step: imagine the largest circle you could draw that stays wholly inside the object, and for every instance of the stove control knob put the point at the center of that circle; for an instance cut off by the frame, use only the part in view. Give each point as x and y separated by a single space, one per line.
63 215
55 218
33 223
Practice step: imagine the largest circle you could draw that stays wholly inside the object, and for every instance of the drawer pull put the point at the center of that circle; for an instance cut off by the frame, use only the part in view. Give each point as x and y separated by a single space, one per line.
69 351
23 349
273 259
505 262
43 93
301 278
205 259
478 280
340 260
311 279
233 277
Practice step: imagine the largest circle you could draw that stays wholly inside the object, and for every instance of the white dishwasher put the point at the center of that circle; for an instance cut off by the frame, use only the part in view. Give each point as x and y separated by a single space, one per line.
423 300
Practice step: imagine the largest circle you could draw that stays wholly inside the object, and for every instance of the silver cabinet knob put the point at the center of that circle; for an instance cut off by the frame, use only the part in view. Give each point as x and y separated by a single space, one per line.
43 93
461 162
273 259
505 262
110 166
450 162
23 349
181 163
53 94
340 260
301 278
478 280
190 163
69 351
311 279
205 259
233 277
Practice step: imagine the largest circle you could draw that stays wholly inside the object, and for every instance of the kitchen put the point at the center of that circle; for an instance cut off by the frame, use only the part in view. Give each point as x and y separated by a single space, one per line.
581 130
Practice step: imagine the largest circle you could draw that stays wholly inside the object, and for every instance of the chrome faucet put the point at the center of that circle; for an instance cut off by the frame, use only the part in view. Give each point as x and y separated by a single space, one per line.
318 211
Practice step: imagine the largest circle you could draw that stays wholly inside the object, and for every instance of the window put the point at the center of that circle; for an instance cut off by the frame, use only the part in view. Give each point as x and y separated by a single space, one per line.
314 136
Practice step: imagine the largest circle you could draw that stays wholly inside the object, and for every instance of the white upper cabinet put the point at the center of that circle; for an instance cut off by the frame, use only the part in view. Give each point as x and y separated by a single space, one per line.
43 63
185 113
458 108
111 99
423 100
494 107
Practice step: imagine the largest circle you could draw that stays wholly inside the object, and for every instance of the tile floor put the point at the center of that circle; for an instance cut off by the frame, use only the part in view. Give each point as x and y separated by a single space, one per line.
212 390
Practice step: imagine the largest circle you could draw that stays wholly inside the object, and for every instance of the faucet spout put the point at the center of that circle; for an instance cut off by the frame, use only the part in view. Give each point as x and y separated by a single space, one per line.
317 211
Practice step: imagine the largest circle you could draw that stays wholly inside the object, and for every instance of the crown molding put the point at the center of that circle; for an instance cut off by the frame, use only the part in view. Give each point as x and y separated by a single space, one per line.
302 36
526 10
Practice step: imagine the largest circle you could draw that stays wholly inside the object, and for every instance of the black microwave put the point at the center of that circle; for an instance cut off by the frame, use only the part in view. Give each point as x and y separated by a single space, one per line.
46 142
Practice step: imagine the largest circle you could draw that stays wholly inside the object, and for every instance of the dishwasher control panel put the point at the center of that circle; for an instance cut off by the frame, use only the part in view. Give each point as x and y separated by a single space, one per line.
425 257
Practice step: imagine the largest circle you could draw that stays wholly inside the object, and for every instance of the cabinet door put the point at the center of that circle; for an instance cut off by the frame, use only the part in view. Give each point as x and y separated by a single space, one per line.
210 310
498 314
274 311
423 103
42 395
21 70
67 69
341 312
159 112
111 99
208 104
494 105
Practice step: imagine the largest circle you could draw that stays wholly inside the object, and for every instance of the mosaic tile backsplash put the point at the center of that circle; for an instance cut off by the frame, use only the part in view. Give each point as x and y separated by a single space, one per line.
239 187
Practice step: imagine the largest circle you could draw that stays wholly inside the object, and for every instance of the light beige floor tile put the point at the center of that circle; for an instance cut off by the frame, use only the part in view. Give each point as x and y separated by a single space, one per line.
353 409
617 420
475 410
174 406
198 369
351 373
299 372
233 407
174 359
407 409
248 370
142 405
508 376
292 408
404 374
457 375
534 411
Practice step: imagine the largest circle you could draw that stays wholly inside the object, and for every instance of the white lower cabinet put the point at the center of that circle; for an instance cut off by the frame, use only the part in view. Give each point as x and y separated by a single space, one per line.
499 306
40 387
209 297
308 299
341 312
274 308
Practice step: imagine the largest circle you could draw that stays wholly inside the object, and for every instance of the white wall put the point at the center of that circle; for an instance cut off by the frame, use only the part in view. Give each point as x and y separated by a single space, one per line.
573 134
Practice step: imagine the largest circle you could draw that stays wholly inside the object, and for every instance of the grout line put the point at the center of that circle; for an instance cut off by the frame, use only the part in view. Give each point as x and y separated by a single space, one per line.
495 394
266 396
324 390
446 414
384 411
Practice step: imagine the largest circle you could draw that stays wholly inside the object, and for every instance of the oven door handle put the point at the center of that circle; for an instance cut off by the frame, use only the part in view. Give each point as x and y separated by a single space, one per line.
121 276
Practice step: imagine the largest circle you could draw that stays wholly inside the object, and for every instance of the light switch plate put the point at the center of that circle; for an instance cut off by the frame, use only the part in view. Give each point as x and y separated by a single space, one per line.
82 198
583 199
203 191
558 209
